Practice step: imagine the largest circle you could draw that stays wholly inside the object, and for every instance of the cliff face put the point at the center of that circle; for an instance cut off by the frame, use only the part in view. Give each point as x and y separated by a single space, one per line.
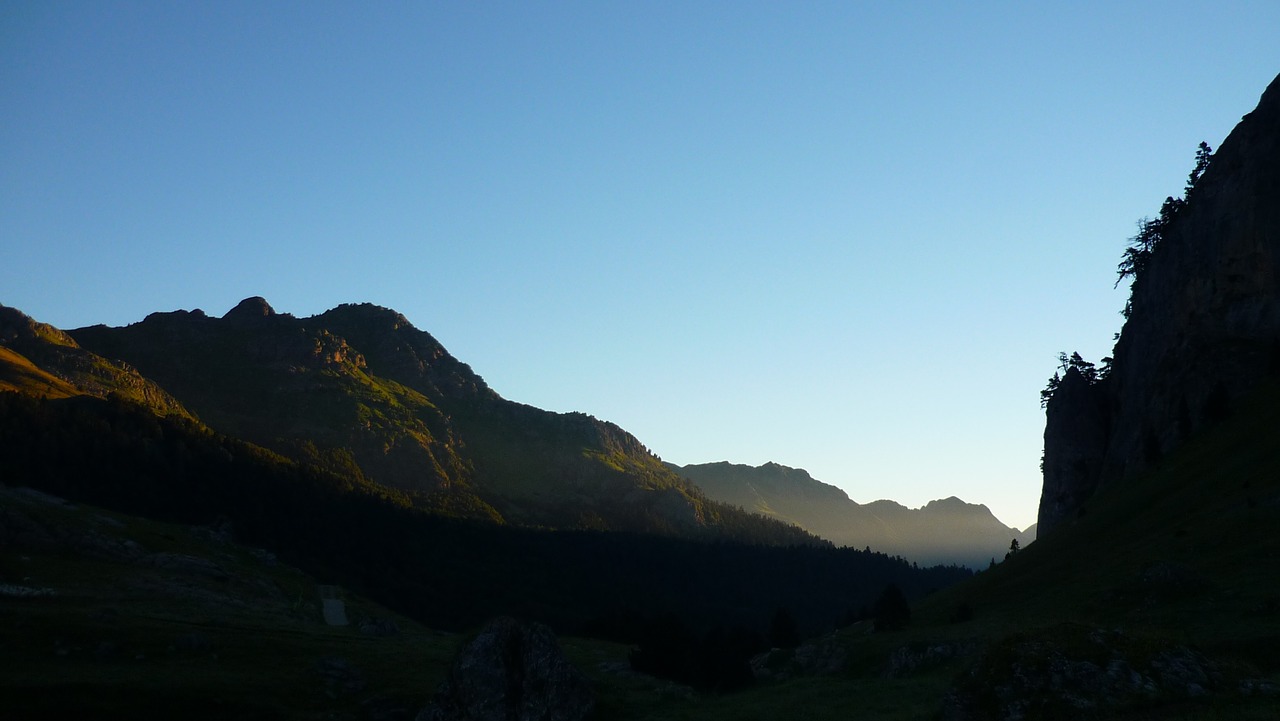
1203 328
1075 443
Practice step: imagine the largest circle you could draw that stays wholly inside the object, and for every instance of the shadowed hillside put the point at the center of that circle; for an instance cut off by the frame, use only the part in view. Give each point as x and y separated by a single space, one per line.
451 573
360 392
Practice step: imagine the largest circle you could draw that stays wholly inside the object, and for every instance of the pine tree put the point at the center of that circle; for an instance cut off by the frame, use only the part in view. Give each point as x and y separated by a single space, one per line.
891 611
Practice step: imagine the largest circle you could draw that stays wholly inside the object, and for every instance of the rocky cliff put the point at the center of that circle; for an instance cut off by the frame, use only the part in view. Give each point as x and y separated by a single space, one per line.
1203 326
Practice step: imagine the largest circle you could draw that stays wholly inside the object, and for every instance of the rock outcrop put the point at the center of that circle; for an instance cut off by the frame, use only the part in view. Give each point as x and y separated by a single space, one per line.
250 310
1075 442
1203 327
512 672
1084 673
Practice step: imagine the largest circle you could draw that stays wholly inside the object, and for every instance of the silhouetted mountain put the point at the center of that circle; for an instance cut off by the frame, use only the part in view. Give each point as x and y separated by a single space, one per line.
1202 328
942 532
359 392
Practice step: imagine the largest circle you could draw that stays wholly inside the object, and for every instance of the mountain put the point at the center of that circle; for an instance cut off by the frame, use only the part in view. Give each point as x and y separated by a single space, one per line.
942 532
450 573
360 392
29 349
354 447
1202 327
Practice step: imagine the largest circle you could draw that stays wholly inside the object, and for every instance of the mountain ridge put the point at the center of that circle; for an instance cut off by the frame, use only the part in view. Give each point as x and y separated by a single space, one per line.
945 530
358 390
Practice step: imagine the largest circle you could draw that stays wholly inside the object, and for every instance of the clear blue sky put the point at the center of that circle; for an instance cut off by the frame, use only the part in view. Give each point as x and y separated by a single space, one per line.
849 237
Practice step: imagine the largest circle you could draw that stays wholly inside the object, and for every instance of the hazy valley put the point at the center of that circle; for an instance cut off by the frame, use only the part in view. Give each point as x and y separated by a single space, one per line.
945 531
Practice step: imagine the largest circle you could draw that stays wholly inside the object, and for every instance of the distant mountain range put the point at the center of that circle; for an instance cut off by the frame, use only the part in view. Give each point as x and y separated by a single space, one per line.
942 532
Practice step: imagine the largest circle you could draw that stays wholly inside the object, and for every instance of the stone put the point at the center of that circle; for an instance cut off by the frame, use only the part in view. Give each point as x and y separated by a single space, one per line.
1068 677
907 660
824 656
379 627
512 671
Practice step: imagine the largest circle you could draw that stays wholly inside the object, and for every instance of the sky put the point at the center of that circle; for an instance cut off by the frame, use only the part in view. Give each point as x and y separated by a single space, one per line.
849 237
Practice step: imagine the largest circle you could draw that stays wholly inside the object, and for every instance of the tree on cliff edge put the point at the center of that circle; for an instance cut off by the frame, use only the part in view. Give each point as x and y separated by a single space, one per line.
1151 231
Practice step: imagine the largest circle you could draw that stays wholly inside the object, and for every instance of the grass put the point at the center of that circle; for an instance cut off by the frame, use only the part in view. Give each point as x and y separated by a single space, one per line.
122 638
18 373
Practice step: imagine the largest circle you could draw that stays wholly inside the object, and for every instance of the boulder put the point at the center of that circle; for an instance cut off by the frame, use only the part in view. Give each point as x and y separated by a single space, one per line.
1078 672
512 671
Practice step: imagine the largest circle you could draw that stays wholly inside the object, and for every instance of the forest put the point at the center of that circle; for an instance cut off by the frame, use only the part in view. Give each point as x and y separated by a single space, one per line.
448 573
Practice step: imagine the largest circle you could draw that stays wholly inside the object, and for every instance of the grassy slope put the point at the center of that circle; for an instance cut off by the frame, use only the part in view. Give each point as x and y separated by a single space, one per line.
111 638
38 359
1210 513
17 373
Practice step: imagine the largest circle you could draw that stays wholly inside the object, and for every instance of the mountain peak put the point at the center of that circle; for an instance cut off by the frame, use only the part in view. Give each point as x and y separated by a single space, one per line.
948 530
954 505
370 312
250 309
18 327
398 350
948 502
786 470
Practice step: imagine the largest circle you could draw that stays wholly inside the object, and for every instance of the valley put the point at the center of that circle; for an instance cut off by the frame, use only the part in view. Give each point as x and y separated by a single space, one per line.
191 506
